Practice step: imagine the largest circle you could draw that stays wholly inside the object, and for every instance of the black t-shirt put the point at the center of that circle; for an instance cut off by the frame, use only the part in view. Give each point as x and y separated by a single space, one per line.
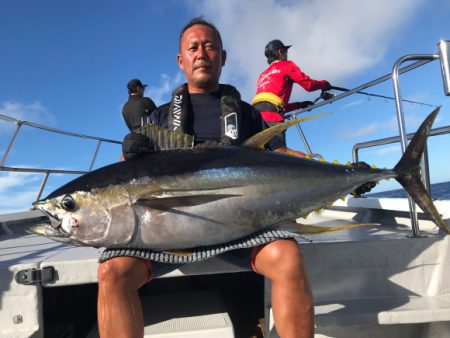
204 118
136 108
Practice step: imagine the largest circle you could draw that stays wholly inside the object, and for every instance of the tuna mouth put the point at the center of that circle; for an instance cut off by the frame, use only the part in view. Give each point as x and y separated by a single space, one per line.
43 229
49 228
54 222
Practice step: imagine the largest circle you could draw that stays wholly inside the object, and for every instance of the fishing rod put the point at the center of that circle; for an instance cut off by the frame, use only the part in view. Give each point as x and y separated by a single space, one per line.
328 96
382 96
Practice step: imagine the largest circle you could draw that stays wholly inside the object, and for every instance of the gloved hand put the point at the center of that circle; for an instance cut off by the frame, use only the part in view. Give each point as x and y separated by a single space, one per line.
327 86
326 96
304 104
134 144
366 187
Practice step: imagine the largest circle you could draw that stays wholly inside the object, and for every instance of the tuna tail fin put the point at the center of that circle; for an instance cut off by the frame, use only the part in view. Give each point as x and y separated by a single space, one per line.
408 172
260 139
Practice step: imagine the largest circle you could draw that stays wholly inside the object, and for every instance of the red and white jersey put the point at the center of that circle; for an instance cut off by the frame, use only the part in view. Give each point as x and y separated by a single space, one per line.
275 84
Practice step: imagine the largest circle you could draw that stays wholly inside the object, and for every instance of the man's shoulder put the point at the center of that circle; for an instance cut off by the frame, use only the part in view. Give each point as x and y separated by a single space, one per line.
290 64
250 113
164 107
149 101
160 115
246 107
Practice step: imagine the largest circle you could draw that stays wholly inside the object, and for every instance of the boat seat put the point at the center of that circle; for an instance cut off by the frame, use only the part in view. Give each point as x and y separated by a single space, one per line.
385 311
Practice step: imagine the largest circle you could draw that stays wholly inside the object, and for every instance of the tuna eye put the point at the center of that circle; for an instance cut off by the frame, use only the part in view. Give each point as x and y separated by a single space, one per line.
68 203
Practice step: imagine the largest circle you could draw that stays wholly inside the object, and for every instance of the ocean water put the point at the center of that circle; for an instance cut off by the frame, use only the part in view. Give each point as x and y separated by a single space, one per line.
439 191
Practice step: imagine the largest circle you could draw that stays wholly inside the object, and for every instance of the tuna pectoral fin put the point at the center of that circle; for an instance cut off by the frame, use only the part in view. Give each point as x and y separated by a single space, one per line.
260 139
165 203
317 229
408 172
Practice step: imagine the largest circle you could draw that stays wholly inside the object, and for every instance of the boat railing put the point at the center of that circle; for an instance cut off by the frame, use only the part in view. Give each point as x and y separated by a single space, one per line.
420 59
47 171
395 139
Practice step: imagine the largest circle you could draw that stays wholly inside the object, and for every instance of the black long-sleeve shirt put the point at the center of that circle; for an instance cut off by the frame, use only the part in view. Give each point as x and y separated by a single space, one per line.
136 108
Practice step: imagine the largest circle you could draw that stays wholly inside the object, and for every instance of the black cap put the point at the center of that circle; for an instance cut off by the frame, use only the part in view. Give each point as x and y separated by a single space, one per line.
133 84
273 46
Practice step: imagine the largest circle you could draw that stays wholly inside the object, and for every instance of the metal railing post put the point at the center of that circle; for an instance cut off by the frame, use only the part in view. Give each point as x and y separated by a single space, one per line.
401 122
13 140
303 137
43 183
99 142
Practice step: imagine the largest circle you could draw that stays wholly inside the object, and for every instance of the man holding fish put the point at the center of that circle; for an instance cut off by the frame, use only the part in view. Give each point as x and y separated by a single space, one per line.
214 112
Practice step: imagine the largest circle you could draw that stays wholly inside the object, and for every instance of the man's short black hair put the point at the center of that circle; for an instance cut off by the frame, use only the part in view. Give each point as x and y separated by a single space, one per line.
200 21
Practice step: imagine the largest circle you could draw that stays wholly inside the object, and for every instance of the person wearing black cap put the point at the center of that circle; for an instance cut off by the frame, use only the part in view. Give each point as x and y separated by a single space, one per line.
275 84
136 110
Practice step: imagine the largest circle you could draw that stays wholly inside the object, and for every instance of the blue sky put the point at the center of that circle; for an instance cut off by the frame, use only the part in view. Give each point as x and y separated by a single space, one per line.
65 64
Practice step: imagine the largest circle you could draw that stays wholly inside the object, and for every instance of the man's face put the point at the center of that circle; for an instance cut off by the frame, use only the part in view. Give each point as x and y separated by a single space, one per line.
201 58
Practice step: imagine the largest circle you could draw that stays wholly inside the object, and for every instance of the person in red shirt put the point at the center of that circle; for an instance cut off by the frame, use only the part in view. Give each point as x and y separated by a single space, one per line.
274 85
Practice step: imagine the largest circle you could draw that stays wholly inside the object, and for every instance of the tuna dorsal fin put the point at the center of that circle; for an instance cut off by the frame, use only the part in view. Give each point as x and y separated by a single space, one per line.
260 139
165 203
165 139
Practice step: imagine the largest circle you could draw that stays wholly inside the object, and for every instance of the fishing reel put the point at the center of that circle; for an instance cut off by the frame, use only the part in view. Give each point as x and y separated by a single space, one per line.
326 96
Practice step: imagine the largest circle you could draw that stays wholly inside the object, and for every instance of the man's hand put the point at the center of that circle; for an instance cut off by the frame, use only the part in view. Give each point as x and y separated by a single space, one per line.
366 187
134 144
304 104
328 86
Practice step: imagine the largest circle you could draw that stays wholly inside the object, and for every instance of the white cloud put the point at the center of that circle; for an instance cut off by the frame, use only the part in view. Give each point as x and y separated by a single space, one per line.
388 150
370 129
163 92
353 104
331 40
33 112
17 191
412 122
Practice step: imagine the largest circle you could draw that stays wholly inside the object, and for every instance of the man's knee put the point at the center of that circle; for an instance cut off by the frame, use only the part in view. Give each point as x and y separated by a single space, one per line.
123 271
280 255
110 270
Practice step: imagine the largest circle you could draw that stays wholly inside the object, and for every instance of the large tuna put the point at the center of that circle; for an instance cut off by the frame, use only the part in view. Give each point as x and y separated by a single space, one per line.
176 199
